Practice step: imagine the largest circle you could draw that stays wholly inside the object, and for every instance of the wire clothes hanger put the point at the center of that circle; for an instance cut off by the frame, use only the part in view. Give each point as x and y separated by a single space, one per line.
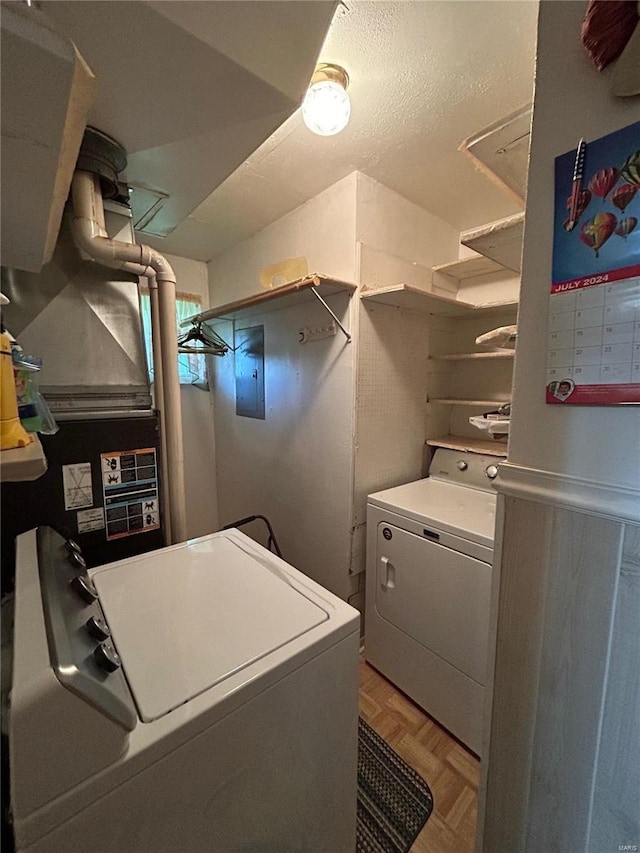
200 340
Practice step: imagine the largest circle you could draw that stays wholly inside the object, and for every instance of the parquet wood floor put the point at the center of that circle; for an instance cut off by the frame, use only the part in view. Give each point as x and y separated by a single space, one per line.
450 770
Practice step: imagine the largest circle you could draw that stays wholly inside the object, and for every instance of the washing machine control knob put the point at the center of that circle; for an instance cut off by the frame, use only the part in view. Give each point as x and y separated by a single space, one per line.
491 471
462 465
73 546
85 588
77 560
98 628
107 657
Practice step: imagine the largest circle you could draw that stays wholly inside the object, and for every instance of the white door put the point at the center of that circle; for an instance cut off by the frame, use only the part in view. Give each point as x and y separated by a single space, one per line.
435 595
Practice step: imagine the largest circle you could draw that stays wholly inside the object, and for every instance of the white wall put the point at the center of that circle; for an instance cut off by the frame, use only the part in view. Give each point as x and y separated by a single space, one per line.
197 420
310 465
361 231
573 100
563 771
388 222
398 242
295 466
322 230
393 360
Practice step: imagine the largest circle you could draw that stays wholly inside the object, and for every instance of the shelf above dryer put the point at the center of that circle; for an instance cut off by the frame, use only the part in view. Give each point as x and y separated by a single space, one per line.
472 445
468 268
407 296
458 401
499 241
469 356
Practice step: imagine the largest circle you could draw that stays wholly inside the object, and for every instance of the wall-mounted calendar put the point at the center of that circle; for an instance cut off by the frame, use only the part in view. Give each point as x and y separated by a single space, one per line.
593 353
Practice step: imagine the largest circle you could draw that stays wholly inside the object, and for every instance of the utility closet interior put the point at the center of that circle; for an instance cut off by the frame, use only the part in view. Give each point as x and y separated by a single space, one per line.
320 455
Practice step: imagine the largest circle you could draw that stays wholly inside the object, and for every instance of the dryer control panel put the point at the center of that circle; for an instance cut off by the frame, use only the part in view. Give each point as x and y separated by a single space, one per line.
464 468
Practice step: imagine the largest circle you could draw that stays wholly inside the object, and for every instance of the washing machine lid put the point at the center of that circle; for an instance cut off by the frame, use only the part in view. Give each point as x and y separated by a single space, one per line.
186 617
462 511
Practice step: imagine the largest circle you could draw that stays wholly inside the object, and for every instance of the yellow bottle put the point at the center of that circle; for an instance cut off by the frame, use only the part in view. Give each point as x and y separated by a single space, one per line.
12 433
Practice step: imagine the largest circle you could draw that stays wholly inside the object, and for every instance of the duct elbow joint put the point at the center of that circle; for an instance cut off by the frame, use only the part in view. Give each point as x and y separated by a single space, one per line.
162 268
87 236
91 237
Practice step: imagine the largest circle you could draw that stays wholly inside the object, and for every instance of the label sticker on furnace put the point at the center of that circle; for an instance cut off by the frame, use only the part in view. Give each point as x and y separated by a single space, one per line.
131 492
90 519
77 485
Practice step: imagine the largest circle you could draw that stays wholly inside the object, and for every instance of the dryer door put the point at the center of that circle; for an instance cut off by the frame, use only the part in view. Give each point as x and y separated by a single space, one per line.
435 595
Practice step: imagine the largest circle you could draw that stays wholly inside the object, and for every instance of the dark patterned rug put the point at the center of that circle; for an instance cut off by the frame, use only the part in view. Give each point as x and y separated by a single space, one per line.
394 802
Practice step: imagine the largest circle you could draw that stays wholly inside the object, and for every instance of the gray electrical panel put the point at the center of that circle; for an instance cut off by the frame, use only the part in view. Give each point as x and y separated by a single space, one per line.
249 356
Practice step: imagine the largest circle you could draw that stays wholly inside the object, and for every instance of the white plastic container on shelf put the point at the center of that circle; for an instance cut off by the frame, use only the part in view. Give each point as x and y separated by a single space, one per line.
495 427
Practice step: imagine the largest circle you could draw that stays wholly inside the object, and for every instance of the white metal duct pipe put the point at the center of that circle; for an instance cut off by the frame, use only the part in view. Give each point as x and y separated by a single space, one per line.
90 236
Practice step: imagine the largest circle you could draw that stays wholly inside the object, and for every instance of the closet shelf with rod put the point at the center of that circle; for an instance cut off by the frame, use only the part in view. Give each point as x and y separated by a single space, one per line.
315 286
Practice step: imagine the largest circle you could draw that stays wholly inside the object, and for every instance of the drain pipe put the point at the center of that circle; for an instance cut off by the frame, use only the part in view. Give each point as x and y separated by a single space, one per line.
158 391
97 210
91 237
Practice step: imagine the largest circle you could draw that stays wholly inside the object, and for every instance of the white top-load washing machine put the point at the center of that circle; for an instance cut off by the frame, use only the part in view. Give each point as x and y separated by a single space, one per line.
198 698
429 559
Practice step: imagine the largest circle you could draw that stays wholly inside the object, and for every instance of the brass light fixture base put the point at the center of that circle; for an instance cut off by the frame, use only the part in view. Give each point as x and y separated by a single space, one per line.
328 71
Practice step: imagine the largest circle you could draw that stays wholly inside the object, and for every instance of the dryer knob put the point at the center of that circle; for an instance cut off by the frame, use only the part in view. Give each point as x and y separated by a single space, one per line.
491 471
107 657
462 465
85 588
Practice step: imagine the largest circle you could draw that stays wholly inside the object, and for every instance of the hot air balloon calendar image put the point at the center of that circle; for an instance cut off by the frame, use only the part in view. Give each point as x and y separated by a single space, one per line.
593 355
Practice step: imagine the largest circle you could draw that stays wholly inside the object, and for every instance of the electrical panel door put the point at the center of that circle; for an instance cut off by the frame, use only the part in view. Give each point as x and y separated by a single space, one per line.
249 353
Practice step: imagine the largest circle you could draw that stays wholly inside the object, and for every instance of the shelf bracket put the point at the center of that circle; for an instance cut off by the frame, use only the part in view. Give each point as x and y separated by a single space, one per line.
326 307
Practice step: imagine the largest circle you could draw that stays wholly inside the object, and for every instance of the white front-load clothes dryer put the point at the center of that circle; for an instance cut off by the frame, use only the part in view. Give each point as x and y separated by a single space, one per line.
428 588
199 698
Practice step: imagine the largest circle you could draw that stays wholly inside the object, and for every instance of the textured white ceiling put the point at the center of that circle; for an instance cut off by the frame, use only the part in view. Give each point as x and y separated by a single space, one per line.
424 76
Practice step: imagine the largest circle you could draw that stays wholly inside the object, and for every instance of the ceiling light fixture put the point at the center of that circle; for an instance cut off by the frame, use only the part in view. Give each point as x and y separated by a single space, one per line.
326 107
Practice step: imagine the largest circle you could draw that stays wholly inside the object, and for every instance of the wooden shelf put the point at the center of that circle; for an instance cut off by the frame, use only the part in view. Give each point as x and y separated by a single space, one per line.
469 268
473 445
23 463
278 297
406 296
500 241
467 356
457 401
501 152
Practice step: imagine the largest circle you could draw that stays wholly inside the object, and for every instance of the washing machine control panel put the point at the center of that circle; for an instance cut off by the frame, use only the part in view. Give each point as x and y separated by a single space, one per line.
83 586
82 651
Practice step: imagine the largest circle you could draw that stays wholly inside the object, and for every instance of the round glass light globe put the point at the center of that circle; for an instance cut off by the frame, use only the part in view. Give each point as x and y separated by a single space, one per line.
326 108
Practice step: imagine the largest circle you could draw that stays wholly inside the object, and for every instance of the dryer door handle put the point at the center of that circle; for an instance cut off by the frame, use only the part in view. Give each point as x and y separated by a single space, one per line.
387 573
